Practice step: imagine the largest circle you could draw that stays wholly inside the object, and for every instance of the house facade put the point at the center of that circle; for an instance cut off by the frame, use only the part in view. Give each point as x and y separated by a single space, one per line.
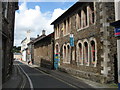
24 46
85 42
43 51
17 56
8 18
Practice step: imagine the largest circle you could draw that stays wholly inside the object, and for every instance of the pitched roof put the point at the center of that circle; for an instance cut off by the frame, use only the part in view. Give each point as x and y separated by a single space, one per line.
68 12
42 37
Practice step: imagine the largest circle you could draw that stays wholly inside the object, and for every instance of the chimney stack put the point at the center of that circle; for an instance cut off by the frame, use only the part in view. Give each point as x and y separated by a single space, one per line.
43 32
37 36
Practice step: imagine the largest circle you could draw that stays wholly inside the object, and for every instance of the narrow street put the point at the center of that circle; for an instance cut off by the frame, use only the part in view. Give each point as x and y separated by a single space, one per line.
35 78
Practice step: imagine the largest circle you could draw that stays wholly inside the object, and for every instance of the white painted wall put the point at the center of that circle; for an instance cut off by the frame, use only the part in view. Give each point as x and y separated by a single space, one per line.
117 10
24 55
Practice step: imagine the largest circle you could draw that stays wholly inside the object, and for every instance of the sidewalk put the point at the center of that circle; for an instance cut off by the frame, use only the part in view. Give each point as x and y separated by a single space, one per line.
14 81
77 81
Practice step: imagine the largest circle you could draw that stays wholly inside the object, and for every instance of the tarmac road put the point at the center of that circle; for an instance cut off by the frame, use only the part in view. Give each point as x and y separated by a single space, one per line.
39 79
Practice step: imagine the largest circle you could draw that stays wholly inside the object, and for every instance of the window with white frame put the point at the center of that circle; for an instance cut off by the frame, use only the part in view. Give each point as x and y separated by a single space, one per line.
83 19
93 52
91 12
64 54
80 51
86 52
78 21
57 32
68 53
64 31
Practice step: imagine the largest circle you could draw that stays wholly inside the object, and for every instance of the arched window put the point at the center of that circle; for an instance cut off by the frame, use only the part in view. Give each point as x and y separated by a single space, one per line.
64 54
68 53
57 50
93 52
78 20
79 53
86 52
91 13
83 18
64 28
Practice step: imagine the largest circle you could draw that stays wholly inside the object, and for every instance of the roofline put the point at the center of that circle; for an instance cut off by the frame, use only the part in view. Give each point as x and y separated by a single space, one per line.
44 37
72 8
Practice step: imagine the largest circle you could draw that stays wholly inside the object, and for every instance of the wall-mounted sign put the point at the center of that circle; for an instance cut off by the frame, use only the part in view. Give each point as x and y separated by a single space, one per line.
117 32
71 40
56 61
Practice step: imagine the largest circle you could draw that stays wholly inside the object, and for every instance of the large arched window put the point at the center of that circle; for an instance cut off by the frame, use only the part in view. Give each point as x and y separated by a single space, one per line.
93 51
83 19
68 53
57 50
91 12
64 31
80 53
64 53
78 20
86 52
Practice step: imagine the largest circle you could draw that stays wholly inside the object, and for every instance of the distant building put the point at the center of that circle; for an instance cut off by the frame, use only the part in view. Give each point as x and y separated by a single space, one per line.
17 56
85 42
43 50
24 46
8 18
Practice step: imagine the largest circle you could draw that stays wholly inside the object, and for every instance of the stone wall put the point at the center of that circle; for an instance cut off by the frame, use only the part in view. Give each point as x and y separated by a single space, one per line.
43 50
106 44
8 39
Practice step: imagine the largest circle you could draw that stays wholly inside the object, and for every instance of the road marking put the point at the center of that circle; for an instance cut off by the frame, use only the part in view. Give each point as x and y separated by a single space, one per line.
56 78
31 85
24 81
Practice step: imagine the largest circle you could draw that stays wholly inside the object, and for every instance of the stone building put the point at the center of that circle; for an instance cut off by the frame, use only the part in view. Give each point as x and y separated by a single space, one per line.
43 51
8 18
93 53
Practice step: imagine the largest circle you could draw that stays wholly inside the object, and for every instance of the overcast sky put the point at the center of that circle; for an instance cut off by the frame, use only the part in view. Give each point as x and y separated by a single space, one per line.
36 16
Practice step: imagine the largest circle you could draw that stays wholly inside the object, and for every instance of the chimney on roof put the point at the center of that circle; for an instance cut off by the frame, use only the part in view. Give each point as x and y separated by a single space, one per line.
43 32
37 36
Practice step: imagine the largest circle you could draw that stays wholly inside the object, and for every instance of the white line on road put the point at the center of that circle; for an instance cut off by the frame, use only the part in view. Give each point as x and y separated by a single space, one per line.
31 85
57 78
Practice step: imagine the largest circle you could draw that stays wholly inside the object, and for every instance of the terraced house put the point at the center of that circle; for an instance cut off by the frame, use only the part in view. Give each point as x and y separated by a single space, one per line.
93 53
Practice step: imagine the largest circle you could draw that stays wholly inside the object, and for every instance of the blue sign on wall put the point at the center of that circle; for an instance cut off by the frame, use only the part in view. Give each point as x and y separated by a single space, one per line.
71 41
56 61
117 32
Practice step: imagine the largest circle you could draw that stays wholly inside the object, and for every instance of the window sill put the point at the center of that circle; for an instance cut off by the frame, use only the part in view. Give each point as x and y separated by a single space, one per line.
66 62
82 28
57 38
66 34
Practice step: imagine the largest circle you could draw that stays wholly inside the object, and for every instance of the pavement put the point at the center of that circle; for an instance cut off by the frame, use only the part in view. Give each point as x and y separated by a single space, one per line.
16 79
